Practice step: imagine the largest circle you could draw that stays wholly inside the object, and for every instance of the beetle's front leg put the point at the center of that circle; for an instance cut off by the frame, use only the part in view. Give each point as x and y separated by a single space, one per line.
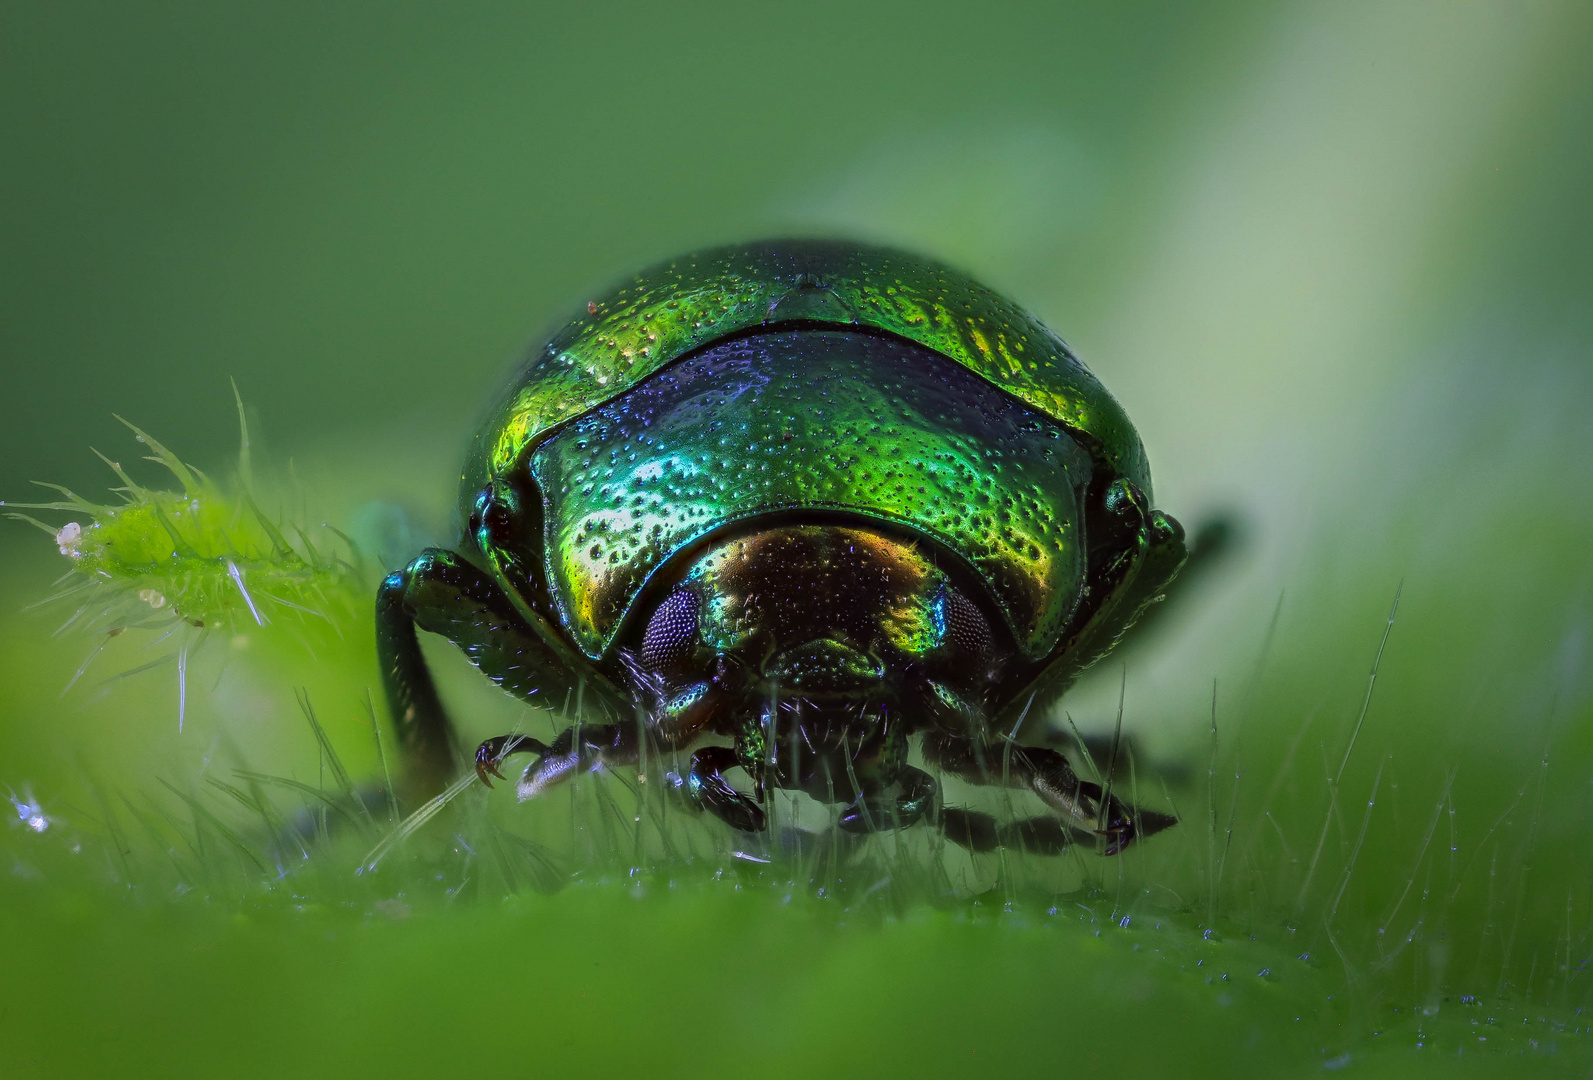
442 593
581 748
492 752
1048 774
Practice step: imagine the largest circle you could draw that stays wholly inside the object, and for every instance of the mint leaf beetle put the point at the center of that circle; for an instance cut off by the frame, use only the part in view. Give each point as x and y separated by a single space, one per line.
815 499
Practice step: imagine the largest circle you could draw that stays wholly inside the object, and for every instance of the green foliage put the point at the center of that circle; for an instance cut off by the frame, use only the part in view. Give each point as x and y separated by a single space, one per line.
1377 907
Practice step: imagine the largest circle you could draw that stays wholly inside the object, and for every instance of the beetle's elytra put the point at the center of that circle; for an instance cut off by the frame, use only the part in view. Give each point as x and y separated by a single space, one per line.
810 498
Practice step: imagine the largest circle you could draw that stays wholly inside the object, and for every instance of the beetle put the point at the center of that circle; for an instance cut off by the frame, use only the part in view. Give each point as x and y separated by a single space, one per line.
793 505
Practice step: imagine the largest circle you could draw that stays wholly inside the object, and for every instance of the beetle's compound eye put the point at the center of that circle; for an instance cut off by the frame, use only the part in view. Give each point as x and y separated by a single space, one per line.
493 517
967 629
671 632
962 625
966 664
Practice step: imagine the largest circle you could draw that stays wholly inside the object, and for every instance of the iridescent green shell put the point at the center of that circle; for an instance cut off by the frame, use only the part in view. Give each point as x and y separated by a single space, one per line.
672 309
813 422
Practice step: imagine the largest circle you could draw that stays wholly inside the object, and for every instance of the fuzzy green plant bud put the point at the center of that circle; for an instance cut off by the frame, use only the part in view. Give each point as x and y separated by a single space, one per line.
194 559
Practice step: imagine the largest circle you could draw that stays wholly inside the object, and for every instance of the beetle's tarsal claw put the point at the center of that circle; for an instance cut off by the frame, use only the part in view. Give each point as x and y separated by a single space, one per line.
1131 825
495 749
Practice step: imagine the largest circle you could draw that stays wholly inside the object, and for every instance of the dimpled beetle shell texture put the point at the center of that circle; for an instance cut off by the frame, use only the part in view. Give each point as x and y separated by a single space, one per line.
679 306
812 420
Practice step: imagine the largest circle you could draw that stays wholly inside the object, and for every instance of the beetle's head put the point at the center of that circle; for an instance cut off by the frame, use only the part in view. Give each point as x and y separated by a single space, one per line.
844 619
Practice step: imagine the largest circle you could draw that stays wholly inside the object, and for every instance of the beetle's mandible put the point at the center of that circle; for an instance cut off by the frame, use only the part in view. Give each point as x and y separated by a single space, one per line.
795 504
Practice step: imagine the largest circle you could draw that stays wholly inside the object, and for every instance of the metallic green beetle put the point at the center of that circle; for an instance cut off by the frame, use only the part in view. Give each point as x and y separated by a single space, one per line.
813 499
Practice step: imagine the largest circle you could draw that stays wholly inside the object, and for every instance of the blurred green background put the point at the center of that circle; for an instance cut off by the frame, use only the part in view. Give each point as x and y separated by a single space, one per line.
1333 259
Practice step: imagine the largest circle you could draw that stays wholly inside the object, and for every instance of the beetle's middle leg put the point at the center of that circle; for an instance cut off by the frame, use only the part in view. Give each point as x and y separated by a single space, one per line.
981 832
918 796
706 787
